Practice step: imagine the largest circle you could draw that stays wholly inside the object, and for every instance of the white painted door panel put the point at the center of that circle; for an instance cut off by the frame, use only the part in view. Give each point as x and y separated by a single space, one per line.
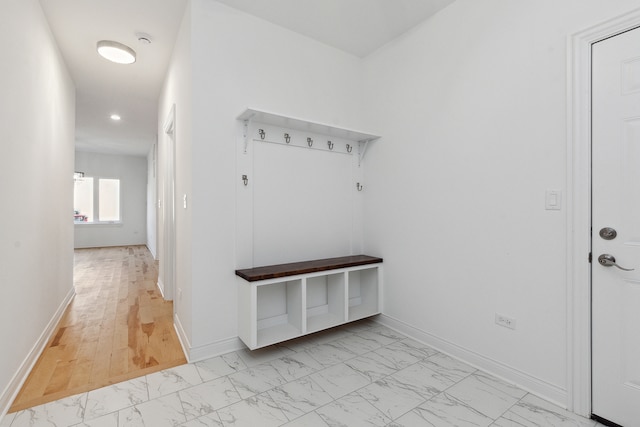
616 204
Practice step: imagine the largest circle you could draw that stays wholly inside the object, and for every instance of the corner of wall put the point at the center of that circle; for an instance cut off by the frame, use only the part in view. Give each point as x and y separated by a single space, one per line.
195 354
11 390
521 379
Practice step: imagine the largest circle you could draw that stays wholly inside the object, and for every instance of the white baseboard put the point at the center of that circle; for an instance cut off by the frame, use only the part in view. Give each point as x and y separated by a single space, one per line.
195 354
216 349
160 286
182 336
153 253
537 386
11 391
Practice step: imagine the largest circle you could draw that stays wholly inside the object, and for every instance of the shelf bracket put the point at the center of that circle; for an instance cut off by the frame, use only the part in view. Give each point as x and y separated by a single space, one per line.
362 148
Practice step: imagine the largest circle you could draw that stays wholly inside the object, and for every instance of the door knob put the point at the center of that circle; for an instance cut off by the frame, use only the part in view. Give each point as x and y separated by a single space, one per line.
607 260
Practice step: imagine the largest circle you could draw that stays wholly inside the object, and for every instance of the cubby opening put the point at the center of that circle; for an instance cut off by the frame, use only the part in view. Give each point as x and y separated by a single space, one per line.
363 293
325 302
279 312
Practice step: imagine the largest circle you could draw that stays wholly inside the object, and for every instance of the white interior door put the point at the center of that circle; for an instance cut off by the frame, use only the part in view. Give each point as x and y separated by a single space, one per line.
616 205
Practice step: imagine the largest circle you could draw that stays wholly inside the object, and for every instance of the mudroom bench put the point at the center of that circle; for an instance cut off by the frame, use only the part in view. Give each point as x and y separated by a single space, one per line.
284 301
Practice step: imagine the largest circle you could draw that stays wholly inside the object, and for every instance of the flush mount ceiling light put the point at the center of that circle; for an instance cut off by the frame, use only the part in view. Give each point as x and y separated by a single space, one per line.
116 52
115 117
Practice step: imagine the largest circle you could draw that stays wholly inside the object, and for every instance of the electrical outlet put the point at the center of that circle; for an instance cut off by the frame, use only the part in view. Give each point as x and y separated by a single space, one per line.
179 294
505 321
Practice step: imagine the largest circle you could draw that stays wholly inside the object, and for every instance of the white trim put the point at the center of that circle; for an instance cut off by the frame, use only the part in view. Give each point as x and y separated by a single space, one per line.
182 336
216 349
16 383
99 223
170 122
168 260
160 286
579 207
537 386
206 351
150 251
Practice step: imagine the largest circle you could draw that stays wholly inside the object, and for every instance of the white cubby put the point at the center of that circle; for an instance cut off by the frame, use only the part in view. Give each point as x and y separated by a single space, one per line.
279 312
278 309
325 305
363 292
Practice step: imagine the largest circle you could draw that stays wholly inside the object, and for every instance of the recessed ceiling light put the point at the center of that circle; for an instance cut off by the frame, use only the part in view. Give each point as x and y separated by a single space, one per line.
116 52
115 117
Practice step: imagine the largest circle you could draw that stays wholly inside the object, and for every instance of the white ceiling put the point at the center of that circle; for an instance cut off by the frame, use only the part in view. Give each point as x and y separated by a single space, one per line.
103 88
355 26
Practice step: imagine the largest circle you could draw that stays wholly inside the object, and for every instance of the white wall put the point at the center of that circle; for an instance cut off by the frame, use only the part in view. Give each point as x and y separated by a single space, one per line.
241 61
132 173
300 202
472 109
37 107
177 91
152 200
236 61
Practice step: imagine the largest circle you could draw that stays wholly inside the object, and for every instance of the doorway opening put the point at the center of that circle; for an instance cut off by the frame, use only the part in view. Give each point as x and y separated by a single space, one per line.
167 276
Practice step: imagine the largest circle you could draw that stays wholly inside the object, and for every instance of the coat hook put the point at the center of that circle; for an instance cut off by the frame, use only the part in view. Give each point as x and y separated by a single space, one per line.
359 186
330 144
261 132
287 138
349 148
309 142
245 180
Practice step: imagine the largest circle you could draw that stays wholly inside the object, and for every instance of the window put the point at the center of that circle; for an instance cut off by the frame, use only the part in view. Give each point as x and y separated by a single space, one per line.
109 200
83 200
96 195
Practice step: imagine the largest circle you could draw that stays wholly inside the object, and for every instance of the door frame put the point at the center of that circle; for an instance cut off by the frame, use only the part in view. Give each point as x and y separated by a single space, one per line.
169 207
579 207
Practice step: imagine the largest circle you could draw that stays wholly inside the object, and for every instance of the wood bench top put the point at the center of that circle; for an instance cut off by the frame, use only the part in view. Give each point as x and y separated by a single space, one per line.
304 267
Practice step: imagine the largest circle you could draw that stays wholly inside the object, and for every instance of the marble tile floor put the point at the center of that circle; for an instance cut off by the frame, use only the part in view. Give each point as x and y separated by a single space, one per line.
361 374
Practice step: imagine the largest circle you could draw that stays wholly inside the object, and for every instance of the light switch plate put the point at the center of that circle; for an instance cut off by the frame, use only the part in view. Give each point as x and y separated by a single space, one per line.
553 200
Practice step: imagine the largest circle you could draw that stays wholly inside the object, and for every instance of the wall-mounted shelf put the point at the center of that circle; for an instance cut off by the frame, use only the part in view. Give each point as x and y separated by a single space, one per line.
279 120
281 302
288 122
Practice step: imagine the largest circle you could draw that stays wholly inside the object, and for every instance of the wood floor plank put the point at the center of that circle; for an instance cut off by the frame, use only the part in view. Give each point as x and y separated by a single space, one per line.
80 375
61 376
119 362
116 328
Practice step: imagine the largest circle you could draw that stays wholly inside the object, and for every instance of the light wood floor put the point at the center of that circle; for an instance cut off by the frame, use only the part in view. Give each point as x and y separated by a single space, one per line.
116 328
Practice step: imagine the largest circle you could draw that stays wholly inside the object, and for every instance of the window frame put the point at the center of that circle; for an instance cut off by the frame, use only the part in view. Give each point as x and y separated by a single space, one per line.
96 203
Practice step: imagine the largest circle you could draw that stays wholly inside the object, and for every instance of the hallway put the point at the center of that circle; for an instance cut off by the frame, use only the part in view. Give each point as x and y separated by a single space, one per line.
116 328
